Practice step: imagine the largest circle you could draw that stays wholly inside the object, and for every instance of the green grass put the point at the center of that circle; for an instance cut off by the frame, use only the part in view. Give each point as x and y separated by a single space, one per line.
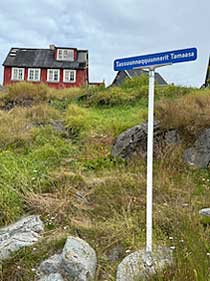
42 171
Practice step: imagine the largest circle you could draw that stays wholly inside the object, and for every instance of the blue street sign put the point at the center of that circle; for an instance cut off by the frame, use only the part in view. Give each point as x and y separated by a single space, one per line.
148 61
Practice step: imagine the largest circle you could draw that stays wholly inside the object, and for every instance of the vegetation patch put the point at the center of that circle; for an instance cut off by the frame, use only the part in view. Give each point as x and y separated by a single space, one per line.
189 114
78 189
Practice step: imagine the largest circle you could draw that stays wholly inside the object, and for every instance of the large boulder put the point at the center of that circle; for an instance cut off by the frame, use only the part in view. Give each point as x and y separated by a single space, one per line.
140 266
76 262
23 233
134 141
199 154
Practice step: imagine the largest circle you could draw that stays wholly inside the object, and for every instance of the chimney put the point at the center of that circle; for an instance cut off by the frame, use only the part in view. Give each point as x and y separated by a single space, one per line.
52 47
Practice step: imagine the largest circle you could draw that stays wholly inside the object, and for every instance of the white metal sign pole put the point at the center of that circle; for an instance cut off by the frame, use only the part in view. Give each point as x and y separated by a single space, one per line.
150 161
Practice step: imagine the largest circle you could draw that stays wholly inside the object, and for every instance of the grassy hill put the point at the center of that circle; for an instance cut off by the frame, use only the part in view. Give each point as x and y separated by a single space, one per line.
55 161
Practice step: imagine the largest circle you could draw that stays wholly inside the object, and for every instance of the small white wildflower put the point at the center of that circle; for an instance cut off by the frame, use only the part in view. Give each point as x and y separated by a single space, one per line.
33 269
185 205
170 238
34 249
203 179
65 227
128 251
18 267
208 254
181 241
172 247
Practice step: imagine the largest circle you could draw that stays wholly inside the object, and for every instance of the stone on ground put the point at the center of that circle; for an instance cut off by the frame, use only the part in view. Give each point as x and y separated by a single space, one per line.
51 265
23 233
134 266
134 141
79 259
76 262
52 277
205 212
199 154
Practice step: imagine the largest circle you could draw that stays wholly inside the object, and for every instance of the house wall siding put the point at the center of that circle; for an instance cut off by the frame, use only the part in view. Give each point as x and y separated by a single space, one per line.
81 78
7 75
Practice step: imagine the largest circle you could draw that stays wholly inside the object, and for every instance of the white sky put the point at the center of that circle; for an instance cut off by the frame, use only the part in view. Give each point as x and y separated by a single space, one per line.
111 29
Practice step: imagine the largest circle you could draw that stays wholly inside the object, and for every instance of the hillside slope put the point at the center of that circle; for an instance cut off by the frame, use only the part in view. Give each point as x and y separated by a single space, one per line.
55 161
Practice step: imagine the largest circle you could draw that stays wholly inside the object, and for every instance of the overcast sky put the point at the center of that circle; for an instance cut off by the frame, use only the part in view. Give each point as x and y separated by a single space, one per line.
111 29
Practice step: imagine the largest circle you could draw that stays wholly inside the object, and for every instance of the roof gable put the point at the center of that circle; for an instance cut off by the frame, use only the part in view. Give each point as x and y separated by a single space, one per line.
136 72
43 58
121 75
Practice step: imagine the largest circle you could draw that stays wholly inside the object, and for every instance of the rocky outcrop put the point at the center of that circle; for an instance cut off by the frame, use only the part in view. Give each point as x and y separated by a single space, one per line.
199 154
23 233
134 141
140 266
76 262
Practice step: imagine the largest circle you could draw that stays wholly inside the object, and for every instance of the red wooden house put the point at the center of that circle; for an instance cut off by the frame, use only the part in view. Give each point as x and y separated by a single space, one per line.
57 67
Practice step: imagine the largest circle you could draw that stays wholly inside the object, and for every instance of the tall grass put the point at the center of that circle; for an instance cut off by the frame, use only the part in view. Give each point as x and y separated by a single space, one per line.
189 114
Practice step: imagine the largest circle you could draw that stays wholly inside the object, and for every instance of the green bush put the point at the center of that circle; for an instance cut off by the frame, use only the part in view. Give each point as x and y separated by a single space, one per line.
136 82
76 119
190 114
42 114
25 94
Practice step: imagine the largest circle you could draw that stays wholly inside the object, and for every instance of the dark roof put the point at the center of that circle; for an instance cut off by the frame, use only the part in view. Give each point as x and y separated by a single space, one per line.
43 58
121 75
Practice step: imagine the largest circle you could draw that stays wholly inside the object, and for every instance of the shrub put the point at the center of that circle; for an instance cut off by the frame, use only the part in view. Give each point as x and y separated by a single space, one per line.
190 114
25 94
171 91
76 119
42 114
60 99
135 82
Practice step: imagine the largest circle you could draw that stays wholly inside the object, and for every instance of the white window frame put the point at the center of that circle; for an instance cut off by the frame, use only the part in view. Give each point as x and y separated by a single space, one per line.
17 77
62 54
53 71
33 71
65 71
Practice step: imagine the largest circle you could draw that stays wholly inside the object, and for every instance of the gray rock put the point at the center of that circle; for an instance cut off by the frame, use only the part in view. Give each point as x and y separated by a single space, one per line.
51 265
59 127
139 266
199 154
172 137
134 141
52 277
78 260
23 233
205 212
115 253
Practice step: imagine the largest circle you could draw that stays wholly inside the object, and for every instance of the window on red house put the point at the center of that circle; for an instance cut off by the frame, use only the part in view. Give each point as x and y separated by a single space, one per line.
69 76
34 74
65 54
53 75
17 73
